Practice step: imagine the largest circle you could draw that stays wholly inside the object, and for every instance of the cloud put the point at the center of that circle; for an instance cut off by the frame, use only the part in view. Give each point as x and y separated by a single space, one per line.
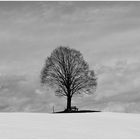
18 92
118 87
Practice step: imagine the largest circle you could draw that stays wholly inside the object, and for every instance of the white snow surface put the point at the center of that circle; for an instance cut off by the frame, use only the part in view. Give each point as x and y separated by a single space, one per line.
71 125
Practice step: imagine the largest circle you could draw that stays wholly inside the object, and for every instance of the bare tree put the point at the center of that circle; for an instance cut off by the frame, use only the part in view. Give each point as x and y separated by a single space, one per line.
68 73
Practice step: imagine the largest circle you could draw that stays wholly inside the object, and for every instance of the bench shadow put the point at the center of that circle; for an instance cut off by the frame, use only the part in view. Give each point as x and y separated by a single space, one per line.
79 111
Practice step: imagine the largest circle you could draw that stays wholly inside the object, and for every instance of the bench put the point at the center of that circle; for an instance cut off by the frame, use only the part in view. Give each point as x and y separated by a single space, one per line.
74 108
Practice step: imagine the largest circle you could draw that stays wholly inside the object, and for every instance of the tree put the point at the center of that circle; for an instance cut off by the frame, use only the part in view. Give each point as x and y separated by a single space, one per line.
68 74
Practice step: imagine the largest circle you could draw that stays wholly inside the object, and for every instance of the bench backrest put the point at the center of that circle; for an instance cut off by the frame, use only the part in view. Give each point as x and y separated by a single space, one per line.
73 107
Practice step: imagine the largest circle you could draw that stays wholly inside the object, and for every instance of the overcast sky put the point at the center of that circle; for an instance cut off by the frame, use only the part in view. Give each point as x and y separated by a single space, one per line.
106 33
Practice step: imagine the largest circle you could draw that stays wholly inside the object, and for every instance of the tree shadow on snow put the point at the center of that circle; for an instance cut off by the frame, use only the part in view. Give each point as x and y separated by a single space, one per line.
79 111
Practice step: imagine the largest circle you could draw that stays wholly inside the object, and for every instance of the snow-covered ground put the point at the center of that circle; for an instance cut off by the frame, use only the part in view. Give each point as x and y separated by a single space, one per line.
76 125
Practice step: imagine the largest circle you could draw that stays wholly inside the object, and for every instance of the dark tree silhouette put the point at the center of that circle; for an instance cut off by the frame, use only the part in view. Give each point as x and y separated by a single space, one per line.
68 73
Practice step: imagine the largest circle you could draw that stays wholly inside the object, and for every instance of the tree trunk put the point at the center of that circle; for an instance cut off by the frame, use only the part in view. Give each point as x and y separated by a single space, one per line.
68 103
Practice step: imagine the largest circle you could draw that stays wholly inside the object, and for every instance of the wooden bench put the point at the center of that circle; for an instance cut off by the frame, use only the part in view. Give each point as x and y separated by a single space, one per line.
74 108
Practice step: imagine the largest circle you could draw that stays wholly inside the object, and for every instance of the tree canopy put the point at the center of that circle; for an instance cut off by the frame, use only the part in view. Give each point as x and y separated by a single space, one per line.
68 73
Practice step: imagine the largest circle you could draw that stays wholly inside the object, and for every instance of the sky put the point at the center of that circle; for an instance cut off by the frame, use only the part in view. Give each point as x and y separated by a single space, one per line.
106 33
